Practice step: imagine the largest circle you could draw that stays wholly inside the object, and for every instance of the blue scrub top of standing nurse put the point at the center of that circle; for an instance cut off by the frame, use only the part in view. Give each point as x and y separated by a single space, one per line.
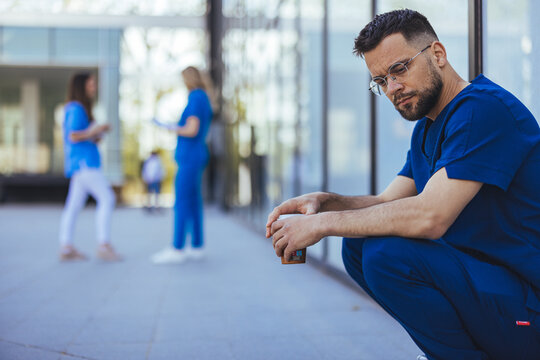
194 150
82 153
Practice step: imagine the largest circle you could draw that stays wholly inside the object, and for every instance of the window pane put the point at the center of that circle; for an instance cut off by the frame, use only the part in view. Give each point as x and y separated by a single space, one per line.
25 45
310 167
348 113
311 96
512 49
11 129
151 85
113 7
348 117
76 45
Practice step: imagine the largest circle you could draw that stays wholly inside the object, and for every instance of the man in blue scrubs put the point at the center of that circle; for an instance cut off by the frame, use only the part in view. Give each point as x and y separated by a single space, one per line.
451 249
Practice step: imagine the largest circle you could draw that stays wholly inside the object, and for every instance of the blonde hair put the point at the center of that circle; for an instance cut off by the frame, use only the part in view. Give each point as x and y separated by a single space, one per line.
195 79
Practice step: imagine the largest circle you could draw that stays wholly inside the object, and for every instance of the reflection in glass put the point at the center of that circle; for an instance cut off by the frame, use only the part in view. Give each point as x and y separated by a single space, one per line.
76 45
262 97
512 49
151 86
24 45
109 7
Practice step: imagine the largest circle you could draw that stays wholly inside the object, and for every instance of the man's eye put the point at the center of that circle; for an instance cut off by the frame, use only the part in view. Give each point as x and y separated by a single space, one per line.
379 81
398 69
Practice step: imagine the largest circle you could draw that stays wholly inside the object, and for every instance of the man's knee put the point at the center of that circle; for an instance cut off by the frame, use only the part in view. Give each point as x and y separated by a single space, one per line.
387 259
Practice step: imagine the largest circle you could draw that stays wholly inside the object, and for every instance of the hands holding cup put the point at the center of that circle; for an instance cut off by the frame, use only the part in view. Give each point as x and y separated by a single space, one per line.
294 225
298 256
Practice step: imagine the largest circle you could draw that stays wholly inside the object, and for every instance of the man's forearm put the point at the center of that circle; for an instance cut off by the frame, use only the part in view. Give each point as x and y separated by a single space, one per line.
404 217
336 202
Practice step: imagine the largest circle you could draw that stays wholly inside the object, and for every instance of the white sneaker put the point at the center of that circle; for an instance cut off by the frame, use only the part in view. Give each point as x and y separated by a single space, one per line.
169 256
196 253
421 357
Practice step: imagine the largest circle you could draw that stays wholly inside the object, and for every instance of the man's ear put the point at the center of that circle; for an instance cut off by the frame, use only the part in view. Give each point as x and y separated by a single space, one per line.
439 53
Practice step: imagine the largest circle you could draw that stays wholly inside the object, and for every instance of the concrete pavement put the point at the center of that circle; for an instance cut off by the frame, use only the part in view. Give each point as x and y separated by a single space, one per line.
237 303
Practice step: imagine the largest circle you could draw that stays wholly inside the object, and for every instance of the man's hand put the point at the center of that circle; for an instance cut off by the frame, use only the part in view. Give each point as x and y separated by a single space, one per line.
306 204
294 233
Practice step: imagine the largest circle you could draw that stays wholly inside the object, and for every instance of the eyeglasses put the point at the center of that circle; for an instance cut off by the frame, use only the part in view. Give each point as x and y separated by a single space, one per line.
397 73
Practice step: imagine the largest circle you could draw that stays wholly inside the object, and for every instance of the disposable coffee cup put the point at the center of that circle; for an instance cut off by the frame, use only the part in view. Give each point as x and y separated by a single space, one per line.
298 256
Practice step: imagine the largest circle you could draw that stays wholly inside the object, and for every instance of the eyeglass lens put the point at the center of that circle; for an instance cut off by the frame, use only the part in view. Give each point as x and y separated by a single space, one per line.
397 72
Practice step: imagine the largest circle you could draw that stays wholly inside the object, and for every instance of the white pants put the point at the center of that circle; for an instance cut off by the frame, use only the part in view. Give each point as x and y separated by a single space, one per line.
84 182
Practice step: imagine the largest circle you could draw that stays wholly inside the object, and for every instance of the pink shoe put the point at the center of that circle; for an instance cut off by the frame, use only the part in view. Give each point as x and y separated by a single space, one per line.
106 252
69 253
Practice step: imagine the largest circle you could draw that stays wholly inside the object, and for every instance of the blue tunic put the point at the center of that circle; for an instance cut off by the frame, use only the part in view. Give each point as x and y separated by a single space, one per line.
486 134
193 150
78 154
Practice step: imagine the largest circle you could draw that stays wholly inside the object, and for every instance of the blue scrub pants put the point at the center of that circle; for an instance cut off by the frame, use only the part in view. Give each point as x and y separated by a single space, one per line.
453 305
188 207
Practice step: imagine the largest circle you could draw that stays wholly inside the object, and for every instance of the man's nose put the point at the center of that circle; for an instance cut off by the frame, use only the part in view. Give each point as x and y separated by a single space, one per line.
393 86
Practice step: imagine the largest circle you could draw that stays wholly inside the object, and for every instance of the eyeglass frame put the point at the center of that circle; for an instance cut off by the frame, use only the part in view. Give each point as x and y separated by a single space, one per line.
393 77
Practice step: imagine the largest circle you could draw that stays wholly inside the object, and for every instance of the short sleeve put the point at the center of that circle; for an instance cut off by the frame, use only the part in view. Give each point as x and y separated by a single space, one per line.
76 118
195 105
483 142
407 168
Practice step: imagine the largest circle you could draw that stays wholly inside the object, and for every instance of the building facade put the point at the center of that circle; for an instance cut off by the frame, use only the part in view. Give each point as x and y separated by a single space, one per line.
38 55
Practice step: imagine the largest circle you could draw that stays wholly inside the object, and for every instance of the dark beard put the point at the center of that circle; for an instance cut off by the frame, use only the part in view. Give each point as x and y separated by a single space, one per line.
427 99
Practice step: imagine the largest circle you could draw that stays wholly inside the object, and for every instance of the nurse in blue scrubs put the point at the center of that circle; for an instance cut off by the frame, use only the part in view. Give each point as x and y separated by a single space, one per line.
82 166
191 156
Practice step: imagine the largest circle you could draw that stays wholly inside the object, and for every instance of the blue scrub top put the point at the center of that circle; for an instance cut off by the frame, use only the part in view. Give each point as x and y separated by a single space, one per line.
193 151
78 154
486 134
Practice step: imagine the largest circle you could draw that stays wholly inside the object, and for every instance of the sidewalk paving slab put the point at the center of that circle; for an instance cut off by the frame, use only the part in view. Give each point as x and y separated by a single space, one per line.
237 303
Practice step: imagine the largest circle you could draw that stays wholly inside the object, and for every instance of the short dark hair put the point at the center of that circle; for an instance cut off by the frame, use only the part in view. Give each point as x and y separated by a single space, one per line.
411 24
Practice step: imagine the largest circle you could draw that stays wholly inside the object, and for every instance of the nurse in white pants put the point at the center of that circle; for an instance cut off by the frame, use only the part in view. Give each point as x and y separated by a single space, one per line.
83 166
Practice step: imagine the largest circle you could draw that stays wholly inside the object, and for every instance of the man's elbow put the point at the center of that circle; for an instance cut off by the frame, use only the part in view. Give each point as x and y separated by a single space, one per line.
434 227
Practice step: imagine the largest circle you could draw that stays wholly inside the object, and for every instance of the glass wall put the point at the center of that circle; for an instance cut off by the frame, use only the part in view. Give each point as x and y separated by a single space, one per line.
348 107
311 95
262 93
151 86
110 7
512 48
273 91
11 128
26 45
283 88
310 155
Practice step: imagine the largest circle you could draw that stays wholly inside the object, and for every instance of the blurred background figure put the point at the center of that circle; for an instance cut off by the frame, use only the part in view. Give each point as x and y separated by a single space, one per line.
191 156
82 164
152 175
